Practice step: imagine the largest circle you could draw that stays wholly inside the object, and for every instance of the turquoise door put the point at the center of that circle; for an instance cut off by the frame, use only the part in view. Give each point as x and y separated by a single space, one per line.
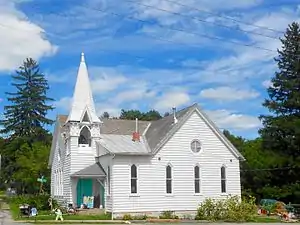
84 188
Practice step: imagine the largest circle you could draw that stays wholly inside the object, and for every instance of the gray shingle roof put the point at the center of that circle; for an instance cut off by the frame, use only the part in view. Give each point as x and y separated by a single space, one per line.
122 127
158 129
116 126
117 133
95 170
123 144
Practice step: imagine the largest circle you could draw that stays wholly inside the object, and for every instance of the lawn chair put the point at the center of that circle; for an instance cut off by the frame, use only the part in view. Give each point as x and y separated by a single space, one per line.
24 210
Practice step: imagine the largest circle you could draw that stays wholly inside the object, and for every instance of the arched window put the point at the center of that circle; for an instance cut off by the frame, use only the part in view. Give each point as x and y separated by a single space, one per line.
169 179
62 182
134 179
197 179
223 179
108 180
84 137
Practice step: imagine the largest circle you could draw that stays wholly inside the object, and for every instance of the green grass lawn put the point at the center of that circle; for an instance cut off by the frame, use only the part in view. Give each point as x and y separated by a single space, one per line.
266 219
47 215
69 217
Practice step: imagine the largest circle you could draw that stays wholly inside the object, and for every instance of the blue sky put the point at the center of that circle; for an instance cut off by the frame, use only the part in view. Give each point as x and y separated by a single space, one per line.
152 54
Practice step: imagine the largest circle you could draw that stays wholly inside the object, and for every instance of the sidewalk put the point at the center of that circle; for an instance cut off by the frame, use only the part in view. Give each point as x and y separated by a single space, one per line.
68 221
5 218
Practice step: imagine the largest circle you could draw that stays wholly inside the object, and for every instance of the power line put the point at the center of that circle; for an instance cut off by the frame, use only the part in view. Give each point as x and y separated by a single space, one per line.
177 29
174 29
180 30
225 17
201 20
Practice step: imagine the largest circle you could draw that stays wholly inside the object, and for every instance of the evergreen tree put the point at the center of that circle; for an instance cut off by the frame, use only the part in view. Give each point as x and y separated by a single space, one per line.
281 131
26 115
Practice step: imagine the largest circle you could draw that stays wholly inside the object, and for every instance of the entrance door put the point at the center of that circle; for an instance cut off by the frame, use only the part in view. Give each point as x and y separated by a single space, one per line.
84 188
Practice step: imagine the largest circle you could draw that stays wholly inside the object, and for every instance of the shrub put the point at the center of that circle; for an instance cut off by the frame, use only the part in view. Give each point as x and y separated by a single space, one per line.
39 201
168 215
140 217
127 217
232 209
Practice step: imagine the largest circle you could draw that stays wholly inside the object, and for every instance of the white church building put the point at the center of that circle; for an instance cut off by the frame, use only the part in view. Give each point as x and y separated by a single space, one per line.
128 167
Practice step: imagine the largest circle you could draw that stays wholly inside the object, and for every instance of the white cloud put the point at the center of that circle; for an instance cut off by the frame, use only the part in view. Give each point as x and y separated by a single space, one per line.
171 99
113 110
134 92
106 83
20 38
228 94
64 103
267 83
105 79
228 120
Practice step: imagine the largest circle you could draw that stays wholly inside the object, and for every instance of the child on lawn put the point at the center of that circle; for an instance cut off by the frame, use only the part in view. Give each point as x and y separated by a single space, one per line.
58 213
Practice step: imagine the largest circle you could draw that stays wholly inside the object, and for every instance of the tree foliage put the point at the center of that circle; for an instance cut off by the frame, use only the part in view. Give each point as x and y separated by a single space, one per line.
25 151
105 115
281 131
133 114
26 115
34 161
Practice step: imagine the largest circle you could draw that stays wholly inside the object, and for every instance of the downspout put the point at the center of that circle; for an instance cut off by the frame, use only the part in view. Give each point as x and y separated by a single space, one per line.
111 192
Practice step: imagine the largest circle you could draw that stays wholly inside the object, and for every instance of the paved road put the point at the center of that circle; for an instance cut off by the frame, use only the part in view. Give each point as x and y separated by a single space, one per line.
15 223
5 219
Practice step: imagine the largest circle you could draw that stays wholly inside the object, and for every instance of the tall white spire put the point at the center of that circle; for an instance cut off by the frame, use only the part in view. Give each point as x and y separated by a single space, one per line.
83 107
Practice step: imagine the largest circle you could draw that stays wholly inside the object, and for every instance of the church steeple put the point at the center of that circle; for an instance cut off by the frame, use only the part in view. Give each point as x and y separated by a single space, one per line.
83 107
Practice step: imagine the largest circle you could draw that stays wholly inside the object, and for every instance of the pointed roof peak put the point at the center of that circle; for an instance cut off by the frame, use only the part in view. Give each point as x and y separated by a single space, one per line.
83 98
82 57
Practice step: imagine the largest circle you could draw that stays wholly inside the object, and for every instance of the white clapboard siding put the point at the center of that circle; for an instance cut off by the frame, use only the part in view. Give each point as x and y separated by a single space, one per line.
106 161
152 195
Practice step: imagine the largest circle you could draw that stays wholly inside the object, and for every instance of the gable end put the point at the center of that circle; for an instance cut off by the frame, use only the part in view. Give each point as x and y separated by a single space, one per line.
209 123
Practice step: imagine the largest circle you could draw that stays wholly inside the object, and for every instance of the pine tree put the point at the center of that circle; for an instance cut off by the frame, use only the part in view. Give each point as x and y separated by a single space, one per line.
281 131
26 115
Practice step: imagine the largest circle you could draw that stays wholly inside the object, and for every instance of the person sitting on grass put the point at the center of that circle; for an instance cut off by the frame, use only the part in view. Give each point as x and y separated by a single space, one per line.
58 213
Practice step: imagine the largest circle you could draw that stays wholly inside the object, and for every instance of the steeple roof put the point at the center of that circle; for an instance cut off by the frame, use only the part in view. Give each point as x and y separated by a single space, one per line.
83 107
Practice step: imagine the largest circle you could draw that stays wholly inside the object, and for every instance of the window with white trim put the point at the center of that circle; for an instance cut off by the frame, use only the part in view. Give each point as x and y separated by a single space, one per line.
62 182
134 179
108 180
59 181
56 182
196 146
84 137
223 179
197 181
169 179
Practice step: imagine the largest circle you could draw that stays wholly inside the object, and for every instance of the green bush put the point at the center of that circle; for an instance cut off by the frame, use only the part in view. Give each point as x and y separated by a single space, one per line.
168 215
232 209
39 201
140 217
127 217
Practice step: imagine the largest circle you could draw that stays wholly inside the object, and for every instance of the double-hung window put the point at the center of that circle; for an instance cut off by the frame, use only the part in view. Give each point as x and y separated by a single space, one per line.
169 179
134 179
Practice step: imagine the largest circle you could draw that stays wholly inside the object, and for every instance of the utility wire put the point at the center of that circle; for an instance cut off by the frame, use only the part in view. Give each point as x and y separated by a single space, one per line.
180 30
224 17
173 29
201 20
